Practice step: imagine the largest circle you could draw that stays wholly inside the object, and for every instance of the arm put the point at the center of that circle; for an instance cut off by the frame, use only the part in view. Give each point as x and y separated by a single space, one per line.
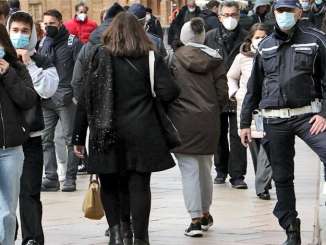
233 76
221 85
45 81
19 90
76 48
77 77
80 123
253 95
165 87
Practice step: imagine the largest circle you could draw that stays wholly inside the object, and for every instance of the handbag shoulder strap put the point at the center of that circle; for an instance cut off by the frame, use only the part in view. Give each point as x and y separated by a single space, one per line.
151 62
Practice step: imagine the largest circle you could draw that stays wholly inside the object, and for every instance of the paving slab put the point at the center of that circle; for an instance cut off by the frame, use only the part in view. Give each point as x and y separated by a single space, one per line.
239 216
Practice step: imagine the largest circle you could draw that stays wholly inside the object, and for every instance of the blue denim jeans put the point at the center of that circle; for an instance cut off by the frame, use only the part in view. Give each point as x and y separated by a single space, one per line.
11 167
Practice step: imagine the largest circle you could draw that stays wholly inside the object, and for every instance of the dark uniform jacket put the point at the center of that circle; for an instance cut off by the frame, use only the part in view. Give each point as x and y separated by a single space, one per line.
62 51
288 72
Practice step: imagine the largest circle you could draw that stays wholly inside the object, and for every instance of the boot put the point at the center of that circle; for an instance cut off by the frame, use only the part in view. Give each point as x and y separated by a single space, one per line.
293 233
140 242
115 236
126 233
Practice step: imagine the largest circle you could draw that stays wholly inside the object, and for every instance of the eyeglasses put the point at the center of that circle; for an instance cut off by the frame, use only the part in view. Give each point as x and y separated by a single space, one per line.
230 15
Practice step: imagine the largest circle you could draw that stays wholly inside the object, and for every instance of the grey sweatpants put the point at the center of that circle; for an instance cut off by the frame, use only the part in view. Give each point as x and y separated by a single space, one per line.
197 182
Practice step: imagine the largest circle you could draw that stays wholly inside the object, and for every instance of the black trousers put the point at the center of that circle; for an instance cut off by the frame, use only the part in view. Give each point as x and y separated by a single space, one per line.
30 192
116 189
233 160
282 132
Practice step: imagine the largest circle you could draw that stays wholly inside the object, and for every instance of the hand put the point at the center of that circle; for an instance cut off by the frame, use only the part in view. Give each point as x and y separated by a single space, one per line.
245 135
24 55
318 124
4 66
79 151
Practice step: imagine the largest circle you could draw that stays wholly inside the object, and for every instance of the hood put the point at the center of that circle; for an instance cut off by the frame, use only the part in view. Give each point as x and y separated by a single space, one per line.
207 13
195 59
96 36
261 3
33 38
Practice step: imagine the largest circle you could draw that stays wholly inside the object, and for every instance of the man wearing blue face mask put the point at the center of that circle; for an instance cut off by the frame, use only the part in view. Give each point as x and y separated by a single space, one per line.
319 10
287 83
45 82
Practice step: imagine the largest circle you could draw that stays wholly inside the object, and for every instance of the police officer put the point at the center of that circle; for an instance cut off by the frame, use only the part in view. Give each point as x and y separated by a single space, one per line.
62 48
286 84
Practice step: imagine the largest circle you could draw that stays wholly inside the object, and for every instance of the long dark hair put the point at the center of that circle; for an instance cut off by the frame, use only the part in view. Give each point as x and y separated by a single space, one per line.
11 55
252 31
127 37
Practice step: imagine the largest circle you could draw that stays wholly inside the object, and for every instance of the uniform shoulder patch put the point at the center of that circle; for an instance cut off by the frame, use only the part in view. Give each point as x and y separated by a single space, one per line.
71 39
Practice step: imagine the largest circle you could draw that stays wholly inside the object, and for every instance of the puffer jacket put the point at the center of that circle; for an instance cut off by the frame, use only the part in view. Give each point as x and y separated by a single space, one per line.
16 96
238 76
289 72
81 29
202 79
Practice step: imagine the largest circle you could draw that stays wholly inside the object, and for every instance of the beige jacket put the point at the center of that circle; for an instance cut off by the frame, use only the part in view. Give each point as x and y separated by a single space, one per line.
238 77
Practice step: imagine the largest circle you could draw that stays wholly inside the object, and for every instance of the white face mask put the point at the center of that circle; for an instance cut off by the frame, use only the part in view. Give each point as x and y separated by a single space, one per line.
148 17
81 17
192 9
230 23
255 43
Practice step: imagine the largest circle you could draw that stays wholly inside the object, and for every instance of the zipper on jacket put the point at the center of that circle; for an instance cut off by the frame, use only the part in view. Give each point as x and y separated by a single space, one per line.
3 128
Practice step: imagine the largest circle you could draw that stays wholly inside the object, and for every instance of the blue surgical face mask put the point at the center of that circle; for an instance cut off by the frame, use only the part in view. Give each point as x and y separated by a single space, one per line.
19 41
305 6
318 2
2 52
285 20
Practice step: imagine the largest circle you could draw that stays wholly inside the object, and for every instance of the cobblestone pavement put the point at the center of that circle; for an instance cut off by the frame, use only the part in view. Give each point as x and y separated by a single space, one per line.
240 218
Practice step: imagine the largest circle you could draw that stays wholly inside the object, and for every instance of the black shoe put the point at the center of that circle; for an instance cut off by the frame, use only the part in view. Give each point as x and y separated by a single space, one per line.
32 242
50 185
206 223
126 232
107 232
220 179
293 233
115 236
140 242
194 230
69 185
239 184
264 196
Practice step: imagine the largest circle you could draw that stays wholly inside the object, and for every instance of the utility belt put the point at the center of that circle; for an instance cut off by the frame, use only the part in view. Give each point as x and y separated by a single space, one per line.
314 107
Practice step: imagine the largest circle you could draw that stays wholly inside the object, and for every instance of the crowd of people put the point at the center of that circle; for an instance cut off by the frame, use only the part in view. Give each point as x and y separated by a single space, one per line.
234 78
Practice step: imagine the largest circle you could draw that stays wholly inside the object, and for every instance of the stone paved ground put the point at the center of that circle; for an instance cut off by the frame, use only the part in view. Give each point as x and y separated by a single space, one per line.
240 218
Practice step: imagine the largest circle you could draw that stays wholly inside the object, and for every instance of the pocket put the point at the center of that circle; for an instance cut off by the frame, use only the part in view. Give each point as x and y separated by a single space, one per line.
270 62
303 59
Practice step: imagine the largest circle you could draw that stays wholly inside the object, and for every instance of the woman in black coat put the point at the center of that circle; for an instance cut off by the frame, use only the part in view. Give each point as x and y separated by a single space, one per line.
126 141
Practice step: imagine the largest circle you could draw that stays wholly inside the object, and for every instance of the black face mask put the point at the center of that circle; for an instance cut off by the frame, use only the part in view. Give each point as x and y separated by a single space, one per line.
51 31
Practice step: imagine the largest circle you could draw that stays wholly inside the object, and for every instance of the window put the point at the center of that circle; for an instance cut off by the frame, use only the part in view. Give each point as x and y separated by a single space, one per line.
36 11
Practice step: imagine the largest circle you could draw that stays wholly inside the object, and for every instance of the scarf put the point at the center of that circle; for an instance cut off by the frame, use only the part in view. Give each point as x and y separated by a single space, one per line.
99 100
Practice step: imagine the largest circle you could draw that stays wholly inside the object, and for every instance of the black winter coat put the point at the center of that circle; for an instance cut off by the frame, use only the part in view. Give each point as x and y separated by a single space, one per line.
16 96
140 145
210 18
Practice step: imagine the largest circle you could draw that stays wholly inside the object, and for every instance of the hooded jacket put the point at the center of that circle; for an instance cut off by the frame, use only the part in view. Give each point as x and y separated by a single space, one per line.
81 29
62 51
45 81
210 18
200 74
238 76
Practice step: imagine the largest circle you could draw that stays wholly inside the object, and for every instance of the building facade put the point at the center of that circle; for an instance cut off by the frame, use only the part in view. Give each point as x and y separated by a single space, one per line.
161 8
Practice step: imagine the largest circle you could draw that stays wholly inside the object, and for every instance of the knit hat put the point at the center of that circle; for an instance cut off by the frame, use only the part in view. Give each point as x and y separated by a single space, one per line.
113 11
138 10
193 31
